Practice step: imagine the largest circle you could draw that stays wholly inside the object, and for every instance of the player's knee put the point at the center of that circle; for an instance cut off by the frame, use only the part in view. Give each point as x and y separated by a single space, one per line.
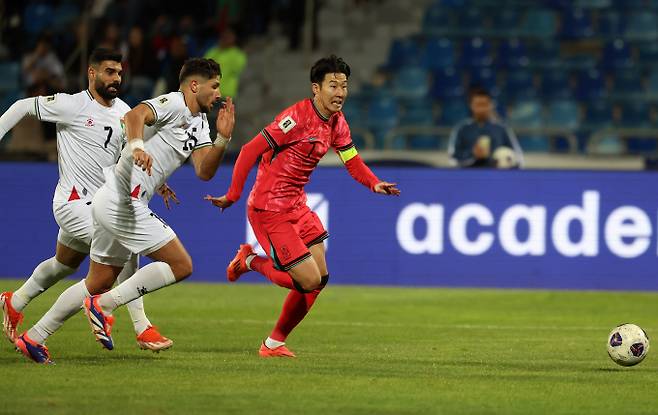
324 280
309 285
182 269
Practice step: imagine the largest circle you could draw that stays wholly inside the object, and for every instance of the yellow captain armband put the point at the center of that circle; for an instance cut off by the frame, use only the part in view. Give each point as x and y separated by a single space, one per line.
347 155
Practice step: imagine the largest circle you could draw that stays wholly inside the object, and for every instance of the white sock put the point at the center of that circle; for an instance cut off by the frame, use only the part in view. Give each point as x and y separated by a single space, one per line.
152 277
67 305
44 276
270 343
136 306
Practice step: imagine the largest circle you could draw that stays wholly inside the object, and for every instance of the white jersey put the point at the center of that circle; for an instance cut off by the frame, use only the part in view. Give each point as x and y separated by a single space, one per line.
172 138
89 139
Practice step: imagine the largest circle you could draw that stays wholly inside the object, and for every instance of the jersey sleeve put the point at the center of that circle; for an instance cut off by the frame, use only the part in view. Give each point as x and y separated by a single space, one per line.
58 108
285 129
166 108
342 141
204 136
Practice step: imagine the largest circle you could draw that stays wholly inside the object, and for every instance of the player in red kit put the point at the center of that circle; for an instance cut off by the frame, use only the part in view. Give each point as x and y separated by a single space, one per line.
285 227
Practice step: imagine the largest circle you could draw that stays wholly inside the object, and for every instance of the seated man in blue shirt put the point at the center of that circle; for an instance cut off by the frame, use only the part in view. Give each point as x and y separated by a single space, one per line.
482 140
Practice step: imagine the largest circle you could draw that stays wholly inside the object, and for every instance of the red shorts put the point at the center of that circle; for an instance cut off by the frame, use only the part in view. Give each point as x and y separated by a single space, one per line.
286 237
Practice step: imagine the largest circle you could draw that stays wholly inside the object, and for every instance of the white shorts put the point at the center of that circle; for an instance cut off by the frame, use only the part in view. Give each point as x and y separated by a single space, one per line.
123 226
76 226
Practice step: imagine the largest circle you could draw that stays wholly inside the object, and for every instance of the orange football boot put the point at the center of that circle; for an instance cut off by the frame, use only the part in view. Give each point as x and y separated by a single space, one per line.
151 339
281 351
238 265
11 317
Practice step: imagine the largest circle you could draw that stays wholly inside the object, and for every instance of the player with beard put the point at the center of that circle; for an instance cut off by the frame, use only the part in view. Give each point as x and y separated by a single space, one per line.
162 134
89 138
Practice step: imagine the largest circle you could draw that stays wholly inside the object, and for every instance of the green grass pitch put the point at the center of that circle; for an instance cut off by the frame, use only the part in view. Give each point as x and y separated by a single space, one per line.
362 350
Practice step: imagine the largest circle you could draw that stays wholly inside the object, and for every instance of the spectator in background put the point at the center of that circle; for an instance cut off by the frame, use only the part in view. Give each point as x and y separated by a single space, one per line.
141 61
483 140
232 59
178 54
42 68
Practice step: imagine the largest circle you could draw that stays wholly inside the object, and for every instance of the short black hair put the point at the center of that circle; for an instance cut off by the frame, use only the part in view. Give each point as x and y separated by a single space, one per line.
207 68
330 64
99 55
478 91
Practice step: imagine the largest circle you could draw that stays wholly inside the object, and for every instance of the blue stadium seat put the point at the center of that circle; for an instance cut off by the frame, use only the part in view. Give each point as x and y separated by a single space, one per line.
476 52
563 113
471 22
642 25
555 85
404 52
598 114
590 85
627 84
485 78
10 73
539 23
526 113
636 114
383 116
64 15
652 84
452 112
592 4
439 53
141 88
8 98
438 21
37 17
648 53
611 25
420 113
512 53
447 83
355 114
617 54
545 54
519 85
576 24
411 82
506 21
529 114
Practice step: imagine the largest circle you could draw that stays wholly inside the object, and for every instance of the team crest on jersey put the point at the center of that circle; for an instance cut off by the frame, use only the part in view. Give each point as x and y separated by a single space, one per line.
163 101
287 124
50 99
90 122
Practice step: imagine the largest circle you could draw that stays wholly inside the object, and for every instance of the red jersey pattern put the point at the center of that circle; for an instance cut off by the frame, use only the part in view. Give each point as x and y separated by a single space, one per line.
298 138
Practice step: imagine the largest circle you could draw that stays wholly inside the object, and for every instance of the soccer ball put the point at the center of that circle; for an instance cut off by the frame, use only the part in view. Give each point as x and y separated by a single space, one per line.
628 345
505 158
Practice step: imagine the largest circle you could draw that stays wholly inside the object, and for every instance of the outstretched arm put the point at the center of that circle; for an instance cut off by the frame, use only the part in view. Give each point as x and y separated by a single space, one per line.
18 110
246 159
362 173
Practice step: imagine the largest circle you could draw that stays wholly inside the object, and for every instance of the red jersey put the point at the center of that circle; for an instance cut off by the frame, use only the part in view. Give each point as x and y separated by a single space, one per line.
299 137
291 147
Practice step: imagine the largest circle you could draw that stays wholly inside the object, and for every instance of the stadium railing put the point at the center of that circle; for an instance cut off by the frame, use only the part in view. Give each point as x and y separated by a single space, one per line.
624 134
553 133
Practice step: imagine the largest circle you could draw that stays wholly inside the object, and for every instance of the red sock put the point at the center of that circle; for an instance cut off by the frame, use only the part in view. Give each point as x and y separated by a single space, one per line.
265 266
295 308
